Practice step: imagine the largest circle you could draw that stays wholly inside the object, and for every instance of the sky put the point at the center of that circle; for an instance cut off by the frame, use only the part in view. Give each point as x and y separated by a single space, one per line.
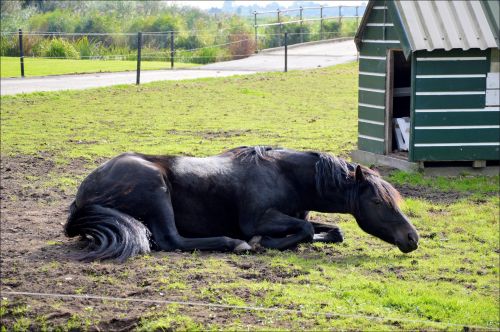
219 4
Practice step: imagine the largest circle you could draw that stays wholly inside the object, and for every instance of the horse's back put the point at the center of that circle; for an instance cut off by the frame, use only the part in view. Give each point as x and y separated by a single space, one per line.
205 194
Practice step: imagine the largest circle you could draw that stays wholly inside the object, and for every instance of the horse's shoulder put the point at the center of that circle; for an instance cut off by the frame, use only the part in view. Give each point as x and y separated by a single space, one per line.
202 167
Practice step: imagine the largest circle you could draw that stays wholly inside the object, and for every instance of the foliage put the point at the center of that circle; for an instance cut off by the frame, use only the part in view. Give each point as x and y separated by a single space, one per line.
56 48
242 45
9 45
331 27
202 56
193 28
56 21
86 47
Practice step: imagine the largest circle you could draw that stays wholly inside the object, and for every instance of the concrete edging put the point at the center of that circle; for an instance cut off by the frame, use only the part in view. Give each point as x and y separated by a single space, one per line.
370 158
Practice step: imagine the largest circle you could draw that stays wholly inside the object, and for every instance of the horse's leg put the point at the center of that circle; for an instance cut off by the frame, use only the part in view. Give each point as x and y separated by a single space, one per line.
326 233
162 225
279 231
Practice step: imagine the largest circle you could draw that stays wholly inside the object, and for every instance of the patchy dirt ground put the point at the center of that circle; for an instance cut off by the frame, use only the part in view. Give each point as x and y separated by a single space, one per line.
37 257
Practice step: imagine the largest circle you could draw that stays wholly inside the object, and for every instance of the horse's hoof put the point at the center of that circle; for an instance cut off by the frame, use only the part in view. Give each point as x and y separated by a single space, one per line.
335 236
243 246
255 241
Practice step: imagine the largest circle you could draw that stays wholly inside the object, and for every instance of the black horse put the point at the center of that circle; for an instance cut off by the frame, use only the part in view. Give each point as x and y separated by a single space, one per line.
244 198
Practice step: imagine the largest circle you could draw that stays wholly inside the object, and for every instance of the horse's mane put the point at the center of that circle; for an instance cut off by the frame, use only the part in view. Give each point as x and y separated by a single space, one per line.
337 173
251 154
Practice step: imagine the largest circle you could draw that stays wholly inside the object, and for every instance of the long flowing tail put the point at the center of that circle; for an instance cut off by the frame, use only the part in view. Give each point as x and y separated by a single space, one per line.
111 234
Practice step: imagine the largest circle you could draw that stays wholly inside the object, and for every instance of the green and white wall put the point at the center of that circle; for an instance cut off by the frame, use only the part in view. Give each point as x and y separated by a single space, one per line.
372 78
450 117
454 99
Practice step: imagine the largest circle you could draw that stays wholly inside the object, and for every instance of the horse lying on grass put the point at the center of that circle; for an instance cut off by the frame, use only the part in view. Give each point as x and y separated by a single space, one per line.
241 199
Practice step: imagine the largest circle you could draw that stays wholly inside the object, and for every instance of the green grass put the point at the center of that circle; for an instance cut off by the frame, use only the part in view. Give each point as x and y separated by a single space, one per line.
462 183
10 66
451 279
198 117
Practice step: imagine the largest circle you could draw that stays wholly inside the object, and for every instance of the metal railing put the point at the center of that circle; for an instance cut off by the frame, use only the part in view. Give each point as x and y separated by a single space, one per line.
279 22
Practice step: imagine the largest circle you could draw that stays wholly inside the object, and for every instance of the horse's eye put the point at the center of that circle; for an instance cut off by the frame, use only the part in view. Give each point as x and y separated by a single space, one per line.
377 201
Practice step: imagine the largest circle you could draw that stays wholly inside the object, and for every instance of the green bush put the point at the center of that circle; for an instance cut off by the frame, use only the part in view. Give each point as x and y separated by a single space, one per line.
349 28
331 29
188 42
295 32
55 48
86 48
203 55
9 45
56 21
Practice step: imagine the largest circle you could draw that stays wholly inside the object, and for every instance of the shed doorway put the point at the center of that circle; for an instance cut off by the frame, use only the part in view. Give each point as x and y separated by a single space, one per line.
398 101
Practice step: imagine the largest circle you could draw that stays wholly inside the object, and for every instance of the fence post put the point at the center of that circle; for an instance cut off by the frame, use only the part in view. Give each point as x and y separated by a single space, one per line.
340 21
21 52
301 30
320 22
281 28
139 45
255 29
357 17
172 50
286 52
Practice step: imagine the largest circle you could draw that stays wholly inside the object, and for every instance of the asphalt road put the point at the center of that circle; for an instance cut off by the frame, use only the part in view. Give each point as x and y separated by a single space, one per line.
305 56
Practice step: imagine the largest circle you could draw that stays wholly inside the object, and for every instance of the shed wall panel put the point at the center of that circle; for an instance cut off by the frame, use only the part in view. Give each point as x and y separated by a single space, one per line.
367 97
449 101
378 33
450 67
450 83
457 153
371 114
375 82
373 129
370 145
472 118
373 49
377 16
372 65
455 136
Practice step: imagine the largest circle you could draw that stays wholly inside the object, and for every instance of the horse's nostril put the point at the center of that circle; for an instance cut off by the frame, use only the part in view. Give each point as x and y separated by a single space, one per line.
412 238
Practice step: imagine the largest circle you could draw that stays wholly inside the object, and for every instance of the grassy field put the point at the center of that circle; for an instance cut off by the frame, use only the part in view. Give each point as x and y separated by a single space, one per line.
450 282
10 66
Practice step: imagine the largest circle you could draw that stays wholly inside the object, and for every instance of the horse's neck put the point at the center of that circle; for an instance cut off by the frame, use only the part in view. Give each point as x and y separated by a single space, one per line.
340 191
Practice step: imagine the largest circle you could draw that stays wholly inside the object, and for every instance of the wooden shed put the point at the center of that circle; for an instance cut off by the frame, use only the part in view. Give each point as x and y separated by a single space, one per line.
435 65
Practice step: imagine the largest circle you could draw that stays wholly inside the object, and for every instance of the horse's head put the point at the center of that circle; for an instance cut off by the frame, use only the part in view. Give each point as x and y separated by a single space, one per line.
377 211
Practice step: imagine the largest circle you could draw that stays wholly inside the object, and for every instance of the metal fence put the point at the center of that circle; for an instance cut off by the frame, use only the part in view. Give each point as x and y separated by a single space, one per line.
270 39
294 16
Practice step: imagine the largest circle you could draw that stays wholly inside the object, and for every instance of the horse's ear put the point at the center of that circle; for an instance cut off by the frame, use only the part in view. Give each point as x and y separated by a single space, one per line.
359 176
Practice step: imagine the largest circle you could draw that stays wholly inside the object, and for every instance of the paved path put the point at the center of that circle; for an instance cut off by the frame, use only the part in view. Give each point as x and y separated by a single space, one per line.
305 56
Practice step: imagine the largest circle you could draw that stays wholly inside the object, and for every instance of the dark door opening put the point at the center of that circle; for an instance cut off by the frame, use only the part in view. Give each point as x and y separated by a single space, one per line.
398 101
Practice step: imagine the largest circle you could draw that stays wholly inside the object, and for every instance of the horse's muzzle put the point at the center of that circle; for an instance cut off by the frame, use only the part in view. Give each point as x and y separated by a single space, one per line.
409 244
